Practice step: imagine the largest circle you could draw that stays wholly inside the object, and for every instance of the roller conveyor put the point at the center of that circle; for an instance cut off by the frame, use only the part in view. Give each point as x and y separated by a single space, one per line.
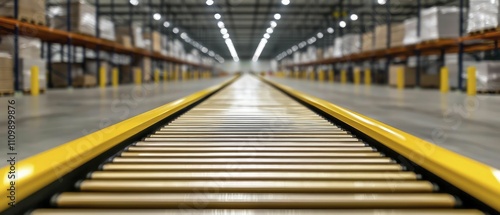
251 149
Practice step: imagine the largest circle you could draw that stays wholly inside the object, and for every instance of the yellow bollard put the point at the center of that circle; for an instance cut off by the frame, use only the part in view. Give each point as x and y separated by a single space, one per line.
444 85
102 77
343 76
184 75
165 75
321 75
331 75
115 77
400 78
138 76
471 81
313 75
368 77
157 76
357 76
35 86
296 74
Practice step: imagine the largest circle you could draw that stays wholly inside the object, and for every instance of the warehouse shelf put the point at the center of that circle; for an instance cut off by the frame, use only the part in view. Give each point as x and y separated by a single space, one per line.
58 36
425 48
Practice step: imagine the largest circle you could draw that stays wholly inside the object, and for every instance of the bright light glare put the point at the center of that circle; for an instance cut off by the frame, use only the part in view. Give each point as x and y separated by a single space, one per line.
220 24
381 2
259 49
269 30
166 24
157 16
210 2
266 35
217 16
277 16
330 30
223 31
285 2
232 50
354 17
342 24
134 2
273 24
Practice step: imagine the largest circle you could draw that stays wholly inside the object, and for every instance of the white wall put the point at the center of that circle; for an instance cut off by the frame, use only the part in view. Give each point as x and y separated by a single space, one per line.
246 66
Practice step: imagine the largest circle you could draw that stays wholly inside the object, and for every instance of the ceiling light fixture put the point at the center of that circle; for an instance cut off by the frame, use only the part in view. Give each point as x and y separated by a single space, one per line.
320 35
134 2
259 49
330 30
223 31
381 2
232 50
217 16
285 2
225 36
157 16
175 30
269 30
220 24
166 24
342 24
273 24
277 16
354 17
266 35
210 2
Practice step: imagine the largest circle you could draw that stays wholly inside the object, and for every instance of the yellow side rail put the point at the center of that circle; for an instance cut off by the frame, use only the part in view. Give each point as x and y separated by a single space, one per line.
38 171
477 179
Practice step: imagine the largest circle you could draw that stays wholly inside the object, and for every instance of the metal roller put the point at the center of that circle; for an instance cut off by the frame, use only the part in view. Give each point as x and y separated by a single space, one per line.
255 154
215 175
379 160
252 200
249 149
272 144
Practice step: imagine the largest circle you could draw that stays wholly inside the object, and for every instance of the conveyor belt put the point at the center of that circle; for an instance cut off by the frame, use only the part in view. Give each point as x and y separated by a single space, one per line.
251 149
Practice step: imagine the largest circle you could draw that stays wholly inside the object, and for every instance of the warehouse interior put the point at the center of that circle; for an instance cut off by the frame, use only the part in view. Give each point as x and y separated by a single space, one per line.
250 107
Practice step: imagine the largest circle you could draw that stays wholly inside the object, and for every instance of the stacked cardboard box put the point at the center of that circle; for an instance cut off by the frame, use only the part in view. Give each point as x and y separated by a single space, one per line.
380 37
337 47
82 20
125 41
483 14
410 26
28 47
367 42
59 77
351 44
440 23
32 11
154 39
397 34
409 75
6 74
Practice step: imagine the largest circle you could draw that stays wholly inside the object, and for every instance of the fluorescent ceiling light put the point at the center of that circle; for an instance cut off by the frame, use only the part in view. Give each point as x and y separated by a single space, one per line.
225 36
134 2
273 24
354 17
269 30
259 49
277 16
285 2
175 30
381 2
232 50
295 48
320 35
217 16
220 24
266 35
166 24
330 30
210 2
157 16
223 31
342 24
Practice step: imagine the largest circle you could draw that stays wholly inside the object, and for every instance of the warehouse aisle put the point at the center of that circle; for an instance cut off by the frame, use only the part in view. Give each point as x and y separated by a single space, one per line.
62 115
467 126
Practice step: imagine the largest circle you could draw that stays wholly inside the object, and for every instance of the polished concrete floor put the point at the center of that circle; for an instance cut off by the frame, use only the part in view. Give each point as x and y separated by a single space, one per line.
62 115
467 125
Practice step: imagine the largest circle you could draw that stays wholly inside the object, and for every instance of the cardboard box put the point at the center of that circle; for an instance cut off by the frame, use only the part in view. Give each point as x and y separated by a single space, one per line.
125 41
440 23
6 75
31 11
367 42
429 80
28 47
409 73
85 81
59 77
154 40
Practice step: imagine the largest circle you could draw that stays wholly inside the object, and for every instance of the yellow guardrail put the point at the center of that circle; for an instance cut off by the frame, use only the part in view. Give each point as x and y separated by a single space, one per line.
38 171
478 180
